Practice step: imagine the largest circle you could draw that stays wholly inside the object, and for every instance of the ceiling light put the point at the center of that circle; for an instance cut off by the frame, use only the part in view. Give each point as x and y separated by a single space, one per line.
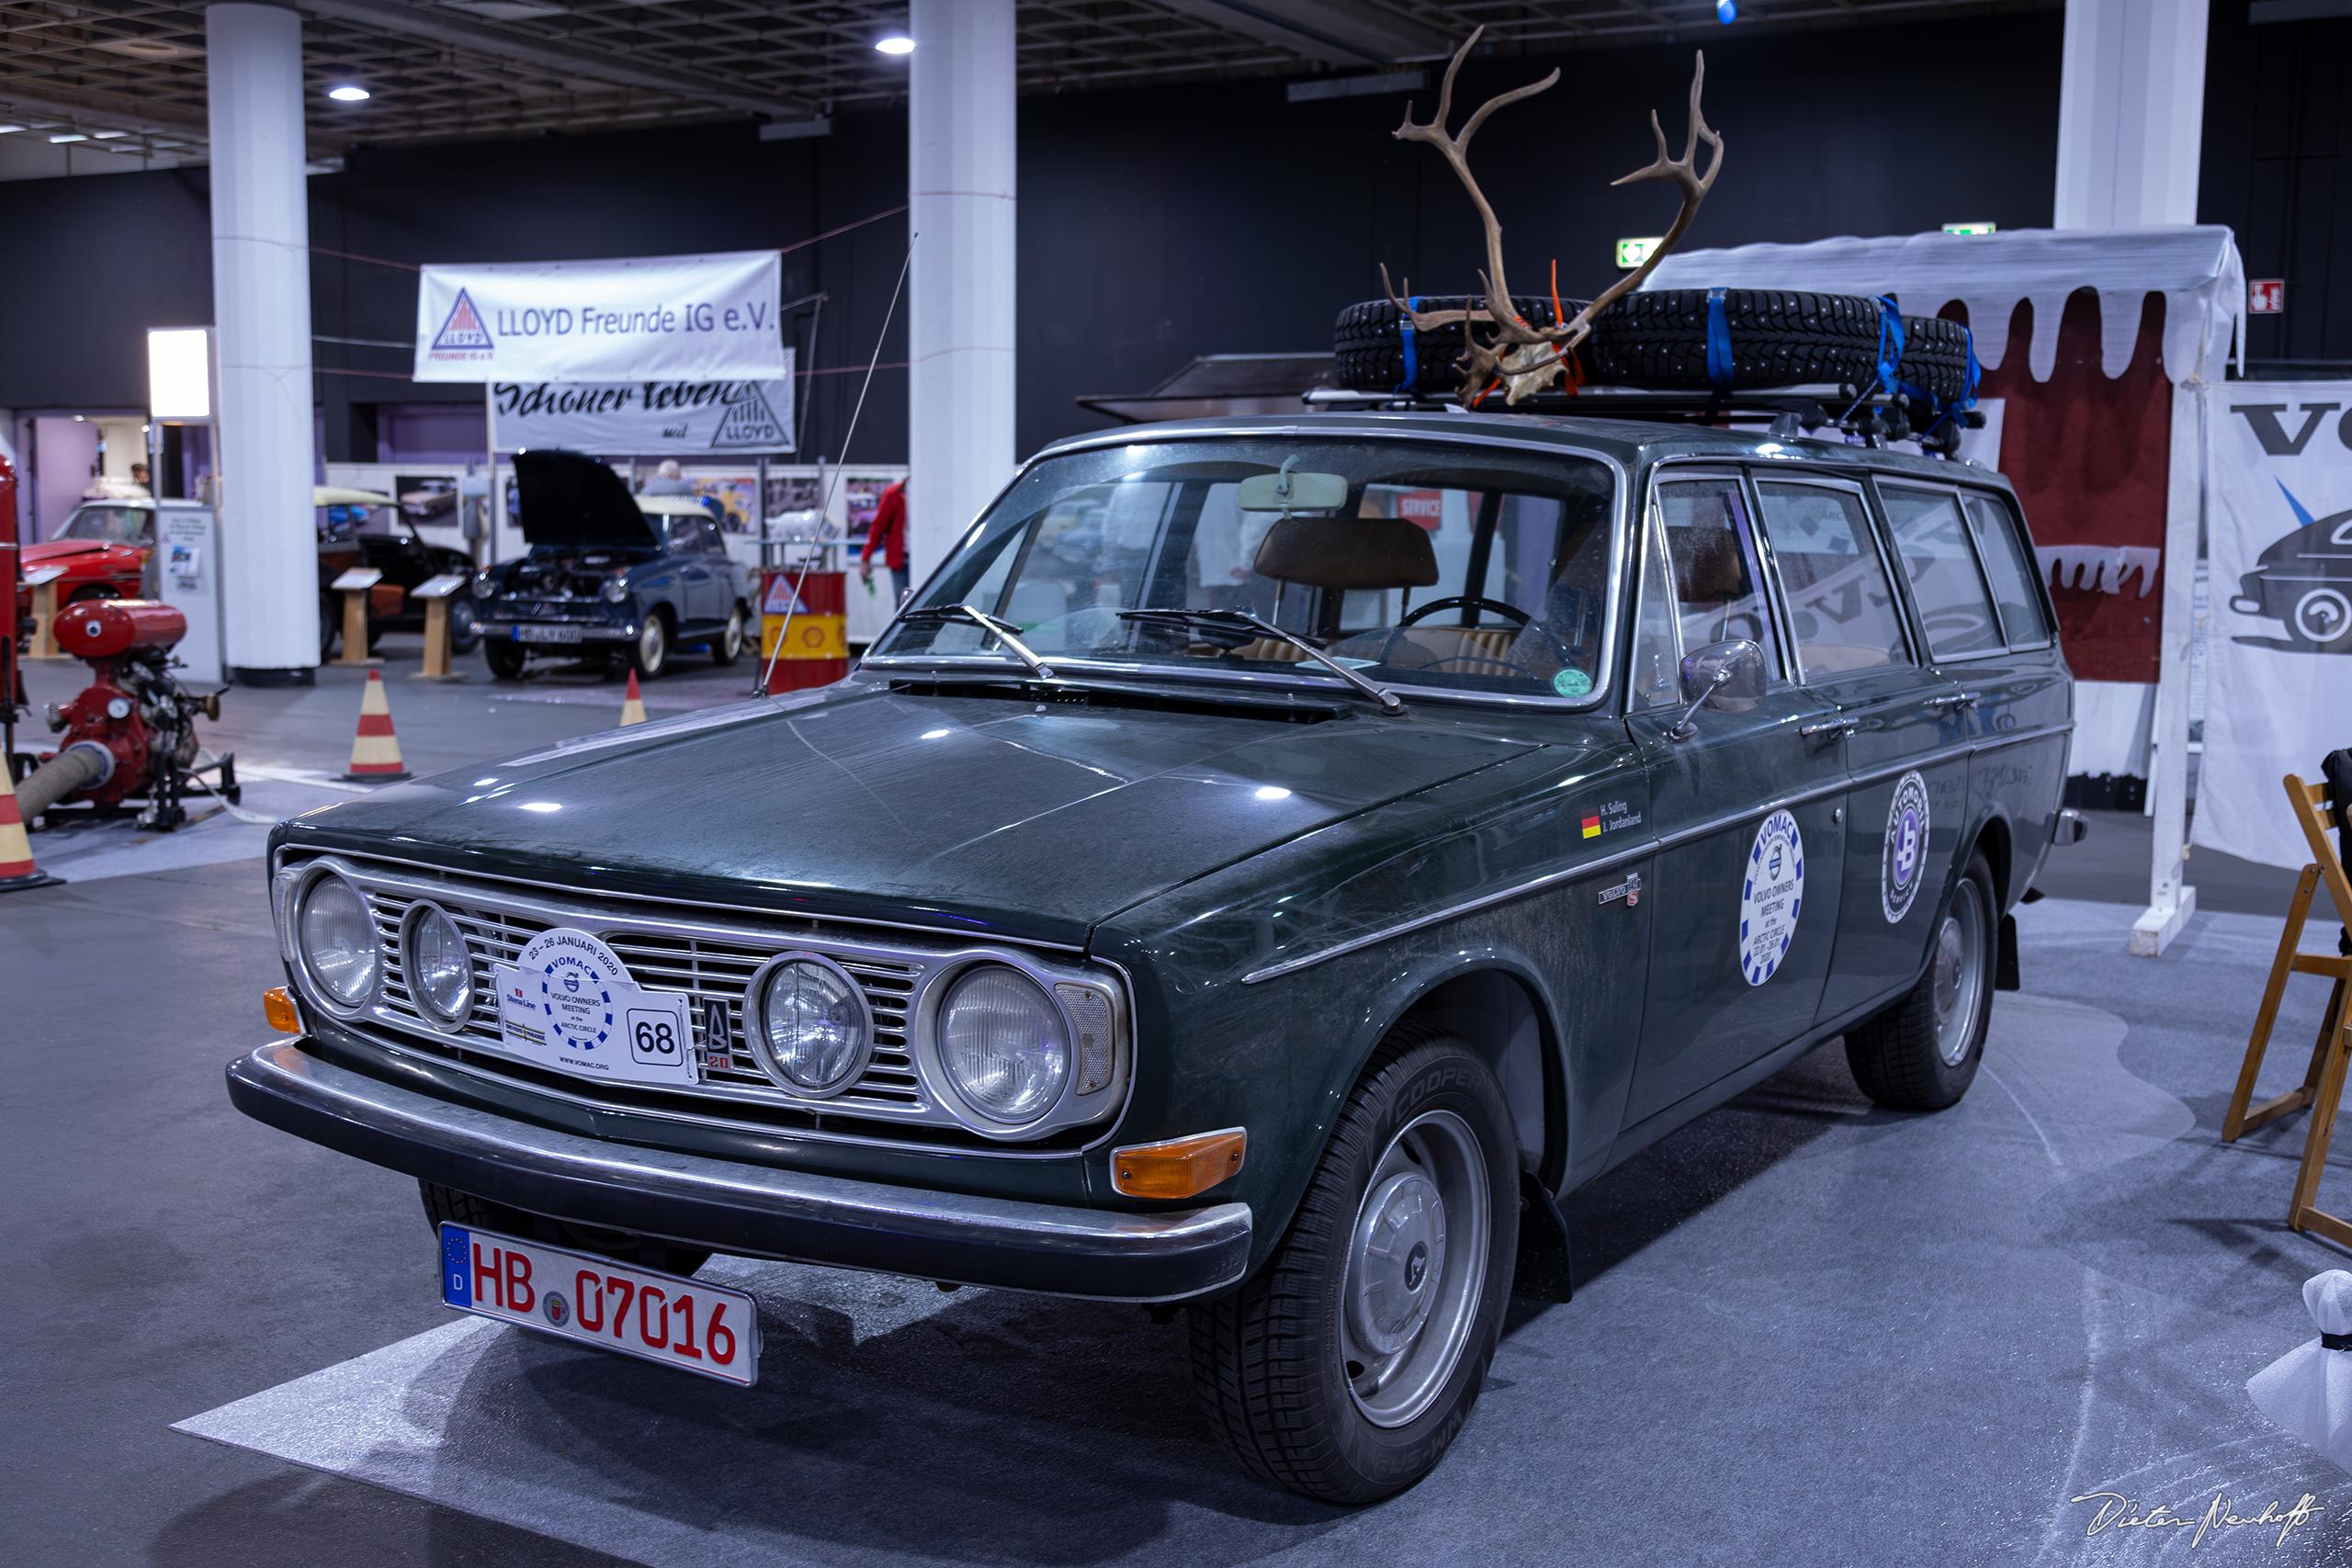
896 43
68 136
348 94
6 129
108 135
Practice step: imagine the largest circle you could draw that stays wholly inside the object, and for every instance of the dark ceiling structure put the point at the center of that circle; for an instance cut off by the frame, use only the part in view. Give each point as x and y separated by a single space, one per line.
132 73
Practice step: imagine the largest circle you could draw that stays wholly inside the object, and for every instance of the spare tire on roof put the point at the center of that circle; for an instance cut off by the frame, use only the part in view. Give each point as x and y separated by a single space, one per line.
1659 339
1371 349
1935 357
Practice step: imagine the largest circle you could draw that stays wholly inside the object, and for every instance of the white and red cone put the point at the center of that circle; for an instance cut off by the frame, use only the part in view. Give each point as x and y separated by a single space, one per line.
375 750
633 703
18 871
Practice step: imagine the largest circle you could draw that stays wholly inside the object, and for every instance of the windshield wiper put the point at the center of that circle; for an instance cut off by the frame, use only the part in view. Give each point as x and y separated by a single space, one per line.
1004 632
1390 703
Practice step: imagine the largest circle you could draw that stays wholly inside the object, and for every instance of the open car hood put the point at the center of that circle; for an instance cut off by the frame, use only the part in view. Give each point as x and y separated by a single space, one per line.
568 499
961 812
59 549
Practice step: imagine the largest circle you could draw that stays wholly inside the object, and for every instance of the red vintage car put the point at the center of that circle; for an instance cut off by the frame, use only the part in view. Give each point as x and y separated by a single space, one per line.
101 551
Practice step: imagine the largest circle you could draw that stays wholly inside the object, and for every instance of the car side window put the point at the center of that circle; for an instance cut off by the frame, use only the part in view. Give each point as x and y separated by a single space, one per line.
2012 567
707 534
1711 585
1841 606
1932 542
683 539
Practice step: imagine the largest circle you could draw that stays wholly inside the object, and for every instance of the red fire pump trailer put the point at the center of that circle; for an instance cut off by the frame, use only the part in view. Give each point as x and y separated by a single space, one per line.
131 732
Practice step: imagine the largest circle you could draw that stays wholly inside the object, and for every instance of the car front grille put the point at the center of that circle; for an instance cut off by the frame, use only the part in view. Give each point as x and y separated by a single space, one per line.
710 972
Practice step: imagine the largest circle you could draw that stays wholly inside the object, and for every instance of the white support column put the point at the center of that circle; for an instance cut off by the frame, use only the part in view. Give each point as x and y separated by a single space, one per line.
2131 109
960 293
261 302
2170 899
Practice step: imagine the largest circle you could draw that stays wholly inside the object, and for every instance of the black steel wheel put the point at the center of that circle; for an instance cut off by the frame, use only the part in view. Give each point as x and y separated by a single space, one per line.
1345 1366
479 1213
505 658
1923 1052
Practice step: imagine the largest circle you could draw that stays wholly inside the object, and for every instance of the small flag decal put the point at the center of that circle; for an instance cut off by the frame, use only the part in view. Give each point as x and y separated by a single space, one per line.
1592 826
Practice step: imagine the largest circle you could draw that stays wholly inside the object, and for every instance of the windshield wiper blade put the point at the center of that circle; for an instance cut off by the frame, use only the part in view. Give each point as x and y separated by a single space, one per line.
1004 631
1390 703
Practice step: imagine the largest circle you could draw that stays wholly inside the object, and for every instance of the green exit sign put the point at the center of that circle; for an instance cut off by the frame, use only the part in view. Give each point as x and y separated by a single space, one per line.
1632 253
1972 228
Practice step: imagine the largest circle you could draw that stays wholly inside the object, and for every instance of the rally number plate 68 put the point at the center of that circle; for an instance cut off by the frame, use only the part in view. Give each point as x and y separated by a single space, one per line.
681 1322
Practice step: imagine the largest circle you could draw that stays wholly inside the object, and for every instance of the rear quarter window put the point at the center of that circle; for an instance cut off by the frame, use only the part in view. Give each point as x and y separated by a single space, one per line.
2010 566
1932 541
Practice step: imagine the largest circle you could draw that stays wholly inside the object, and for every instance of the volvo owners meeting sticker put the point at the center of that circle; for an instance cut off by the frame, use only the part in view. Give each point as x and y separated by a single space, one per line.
568 1001
1906 854
1772 897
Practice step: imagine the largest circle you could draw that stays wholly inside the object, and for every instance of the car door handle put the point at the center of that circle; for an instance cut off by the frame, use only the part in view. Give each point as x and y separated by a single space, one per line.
1835 727
1957 701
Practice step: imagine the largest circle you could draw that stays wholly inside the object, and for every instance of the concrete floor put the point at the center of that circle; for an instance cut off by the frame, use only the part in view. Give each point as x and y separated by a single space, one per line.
1806 1330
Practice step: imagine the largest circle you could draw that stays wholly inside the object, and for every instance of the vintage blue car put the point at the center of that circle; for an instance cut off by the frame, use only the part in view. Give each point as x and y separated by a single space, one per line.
1269 862
627 577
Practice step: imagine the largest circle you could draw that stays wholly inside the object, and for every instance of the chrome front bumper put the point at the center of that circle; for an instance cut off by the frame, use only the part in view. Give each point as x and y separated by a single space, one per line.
753 1211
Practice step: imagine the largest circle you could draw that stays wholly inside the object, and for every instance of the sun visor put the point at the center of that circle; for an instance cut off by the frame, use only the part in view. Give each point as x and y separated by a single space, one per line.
571 498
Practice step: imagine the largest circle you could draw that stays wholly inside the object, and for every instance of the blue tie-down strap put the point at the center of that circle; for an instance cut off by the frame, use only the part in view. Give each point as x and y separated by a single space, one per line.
1890 343
1719 360
1969 378
1412 365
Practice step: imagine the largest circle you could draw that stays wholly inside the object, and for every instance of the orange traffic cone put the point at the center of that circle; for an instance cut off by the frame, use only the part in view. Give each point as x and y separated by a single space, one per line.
375 750
17 869
633 704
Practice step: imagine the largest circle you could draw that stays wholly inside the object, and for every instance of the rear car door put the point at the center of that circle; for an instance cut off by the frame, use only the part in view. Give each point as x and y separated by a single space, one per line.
1749 863
2017 730
1896 716
694 573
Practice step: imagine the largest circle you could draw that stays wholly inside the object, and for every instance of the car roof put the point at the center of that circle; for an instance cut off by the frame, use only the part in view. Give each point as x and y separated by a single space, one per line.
672 506
1631 442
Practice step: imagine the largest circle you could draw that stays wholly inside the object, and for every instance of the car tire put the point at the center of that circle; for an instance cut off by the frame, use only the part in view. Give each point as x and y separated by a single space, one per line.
505 658
1423 1152
1369 348
330 623
1935 357
728 645
1659 339
479 1213
650 655
465 624
1923 1052
91 590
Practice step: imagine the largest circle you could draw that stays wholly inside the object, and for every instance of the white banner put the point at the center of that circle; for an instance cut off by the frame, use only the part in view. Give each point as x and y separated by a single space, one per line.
698 318
2279 668
644 418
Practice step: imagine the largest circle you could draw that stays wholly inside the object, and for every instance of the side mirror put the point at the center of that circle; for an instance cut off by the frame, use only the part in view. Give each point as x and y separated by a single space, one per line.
1725 676
1287 492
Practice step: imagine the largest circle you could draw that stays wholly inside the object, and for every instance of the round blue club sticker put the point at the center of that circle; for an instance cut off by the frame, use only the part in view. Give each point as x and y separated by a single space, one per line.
1906 854
569 979
1572 682
1772 897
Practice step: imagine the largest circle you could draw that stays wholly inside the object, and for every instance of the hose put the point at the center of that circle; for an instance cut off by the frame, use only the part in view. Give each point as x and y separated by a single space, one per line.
80 765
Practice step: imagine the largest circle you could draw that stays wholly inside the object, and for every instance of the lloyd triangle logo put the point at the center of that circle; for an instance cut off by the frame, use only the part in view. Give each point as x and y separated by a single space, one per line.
463 329
749 421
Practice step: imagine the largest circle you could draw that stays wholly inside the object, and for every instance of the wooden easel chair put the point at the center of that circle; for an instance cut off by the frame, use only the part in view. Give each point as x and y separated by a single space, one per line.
2323 1086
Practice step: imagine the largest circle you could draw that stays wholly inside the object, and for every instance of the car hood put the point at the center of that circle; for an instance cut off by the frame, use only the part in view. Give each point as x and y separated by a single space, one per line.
967 813
58 550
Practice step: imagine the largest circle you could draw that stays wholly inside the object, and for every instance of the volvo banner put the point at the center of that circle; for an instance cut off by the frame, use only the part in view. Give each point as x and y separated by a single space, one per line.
699 318
2279 665
644 418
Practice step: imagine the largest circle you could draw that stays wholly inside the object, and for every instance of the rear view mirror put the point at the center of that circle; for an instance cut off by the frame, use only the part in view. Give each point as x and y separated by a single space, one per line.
1288 492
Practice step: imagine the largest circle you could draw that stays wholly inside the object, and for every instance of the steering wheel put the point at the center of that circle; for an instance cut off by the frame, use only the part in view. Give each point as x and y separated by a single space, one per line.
1472 600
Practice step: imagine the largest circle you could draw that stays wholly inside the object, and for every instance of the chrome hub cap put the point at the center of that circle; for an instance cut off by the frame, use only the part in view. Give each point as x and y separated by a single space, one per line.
1959 974
1416 1269
649 643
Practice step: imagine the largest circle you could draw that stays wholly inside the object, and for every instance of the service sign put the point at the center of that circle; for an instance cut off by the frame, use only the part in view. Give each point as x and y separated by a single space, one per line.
695 318
567 1003
644 418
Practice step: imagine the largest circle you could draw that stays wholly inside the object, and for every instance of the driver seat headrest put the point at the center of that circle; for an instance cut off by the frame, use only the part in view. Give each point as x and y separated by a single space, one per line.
1348 553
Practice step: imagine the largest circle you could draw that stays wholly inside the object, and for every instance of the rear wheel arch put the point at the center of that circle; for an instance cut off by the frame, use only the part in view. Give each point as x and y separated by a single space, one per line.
1995 838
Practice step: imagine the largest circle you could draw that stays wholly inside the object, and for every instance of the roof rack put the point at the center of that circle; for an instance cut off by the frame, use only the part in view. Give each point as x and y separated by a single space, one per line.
1788 411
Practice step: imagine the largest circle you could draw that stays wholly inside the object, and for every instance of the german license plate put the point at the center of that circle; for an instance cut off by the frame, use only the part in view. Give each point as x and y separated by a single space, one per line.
680 1323
547 634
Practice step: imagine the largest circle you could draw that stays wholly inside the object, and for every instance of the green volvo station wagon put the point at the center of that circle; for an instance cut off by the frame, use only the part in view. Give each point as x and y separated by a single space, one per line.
1269 861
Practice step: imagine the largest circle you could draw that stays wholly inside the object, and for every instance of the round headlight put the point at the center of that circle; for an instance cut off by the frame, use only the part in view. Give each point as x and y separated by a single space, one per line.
337 940
813 1031
485 585
615 590
1003 1044
440 970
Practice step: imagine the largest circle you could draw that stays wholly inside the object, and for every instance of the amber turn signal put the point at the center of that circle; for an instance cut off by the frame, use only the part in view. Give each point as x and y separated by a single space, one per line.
277 1006
1177 1169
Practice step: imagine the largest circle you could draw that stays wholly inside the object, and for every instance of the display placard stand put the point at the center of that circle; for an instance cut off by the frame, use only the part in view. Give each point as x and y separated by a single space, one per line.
435 592
354 586
2323 1086
42 581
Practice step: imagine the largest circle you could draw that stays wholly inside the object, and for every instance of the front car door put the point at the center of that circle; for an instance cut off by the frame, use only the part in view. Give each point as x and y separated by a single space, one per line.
1897 715
1748 874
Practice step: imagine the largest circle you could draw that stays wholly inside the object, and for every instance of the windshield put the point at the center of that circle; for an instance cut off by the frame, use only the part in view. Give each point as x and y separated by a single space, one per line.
1427 565
114 524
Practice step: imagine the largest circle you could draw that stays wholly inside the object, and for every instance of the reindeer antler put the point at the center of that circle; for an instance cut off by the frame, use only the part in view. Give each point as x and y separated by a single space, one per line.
1533 355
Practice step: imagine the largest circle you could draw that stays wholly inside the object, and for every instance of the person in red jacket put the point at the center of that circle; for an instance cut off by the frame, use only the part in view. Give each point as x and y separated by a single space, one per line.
888 534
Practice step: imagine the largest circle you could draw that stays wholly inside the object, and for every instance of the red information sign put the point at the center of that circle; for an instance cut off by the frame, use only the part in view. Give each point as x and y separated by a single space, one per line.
2266 295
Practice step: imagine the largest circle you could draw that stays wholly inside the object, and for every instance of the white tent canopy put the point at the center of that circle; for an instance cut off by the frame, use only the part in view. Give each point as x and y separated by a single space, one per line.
2194 266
